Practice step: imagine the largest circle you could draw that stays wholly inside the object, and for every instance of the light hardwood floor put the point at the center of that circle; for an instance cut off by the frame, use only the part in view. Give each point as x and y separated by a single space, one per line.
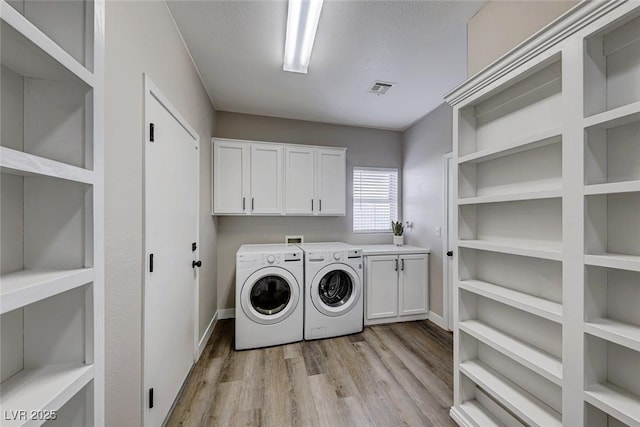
389 375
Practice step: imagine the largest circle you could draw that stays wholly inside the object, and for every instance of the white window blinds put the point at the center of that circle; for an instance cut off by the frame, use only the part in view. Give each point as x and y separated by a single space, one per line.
375 199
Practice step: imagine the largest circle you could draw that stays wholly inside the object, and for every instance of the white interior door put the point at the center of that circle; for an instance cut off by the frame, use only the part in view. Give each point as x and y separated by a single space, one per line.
171 227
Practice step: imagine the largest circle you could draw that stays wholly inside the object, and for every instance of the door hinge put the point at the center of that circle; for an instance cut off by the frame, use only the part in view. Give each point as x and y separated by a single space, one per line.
194 246
151 398
151 132
151 263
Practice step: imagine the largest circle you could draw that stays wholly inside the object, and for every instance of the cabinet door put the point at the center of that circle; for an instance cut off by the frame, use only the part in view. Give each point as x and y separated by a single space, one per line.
382 286
331 182
230 177
414 289
299 185
267 179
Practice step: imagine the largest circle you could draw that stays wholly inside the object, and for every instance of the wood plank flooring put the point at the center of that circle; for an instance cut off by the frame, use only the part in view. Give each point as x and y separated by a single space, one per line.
388 375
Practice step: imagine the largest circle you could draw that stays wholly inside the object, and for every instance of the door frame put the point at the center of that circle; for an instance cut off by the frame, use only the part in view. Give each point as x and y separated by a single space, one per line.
447 215
150 92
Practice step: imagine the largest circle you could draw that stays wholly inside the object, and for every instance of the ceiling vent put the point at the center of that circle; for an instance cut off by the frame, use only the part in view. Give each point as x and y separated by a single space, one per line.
379 87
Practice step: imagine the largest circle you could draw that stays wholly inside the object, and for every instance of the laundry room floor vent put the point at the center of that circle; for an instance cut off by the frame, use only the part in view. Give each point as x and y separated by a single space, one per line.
380 88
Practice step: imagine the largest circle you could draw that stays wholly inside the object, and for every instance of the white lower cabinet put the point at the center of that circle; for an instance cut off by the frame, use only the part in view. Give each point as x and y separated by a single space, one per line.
396 288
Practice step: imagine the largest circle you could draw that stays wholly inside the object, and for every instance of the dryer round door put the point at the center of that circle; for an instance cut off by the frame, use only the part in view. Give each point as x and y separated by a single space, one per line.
270 295
335 289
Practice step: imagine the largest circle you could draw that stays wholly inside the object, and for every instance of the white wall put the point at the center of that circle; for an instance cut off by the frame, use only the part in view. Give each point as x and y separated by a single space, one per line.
501 25
424 144
365 147
141 38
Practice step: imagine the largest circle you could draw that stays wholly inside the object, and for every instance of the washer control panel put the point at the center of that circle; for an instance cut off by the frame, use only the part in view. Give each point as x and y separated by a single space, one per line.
256 260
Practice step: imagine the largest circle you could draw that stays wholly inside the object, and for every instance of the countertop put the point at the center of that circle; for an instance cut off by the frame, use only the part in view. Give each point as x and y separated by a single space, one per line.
392 250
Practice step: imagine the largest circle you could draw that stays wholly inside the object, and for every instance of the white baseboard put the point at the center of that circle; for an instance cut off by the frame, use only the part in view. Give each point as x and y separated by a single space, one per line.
438 320
207 334
226 313
460 417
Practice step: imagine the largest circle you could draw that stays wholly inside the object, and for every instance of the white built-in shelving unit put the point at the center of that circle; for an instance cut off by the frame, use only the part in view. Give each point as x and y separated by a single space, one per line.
52 225
547 289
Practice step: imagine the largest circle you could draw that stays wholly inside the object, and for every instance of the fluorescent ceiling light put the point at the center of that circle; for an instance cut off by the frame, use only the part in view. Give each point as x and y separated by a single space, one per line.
302 23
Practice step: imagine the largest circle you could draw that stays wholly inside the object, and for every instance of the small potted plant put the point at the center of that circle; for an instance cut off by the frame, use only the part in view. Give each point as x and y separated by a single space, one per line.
398 229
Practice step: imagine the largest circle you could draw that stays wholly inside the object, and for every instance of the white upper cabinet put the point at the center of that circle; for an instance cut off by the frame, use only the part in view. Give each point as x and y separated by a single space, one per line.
300 172
331 181
259 178
230 177
266 179
315 181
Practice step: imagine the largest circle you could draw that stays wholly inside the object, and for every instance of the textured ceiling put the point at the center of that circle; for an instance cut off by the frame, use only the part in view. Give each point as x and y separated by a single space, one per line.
238 48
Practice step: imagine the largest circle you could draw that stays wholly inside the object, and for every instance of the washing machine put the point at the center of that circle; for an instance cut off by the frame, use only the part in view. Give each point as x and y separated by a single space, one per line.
333 290
269 295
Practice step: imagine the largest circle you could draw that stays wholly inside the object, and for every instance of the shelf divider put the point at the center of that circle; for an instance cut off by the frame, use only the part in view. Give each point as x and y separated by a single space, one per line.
521 403
541 307
620 333
554 193
538 361
617 117
20 163
612 188
522 248
615 401
539 140
30 52
25 287
41 389
609 260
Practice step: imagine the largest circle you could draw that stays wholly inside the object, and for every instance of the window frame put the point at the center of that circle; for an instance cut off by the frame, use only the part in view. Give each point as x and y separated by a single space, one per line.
353 216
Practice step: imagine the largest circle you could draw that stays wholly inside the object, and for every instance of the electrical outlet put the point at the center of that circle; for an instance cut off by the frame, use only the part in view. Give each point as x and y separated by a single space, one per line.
408 225
438 231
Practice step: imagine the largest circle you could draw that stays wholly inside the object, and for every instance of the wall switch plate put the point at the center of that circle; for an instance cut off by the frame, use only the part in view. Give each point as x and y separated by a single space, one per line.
438 231
408 225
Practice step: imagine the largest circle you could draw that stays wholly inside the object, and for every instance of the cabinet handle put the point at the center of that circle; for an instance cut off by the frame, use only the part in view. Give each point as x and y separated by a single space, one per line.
402 264
252 203
320 201
311 205
243 200
396 260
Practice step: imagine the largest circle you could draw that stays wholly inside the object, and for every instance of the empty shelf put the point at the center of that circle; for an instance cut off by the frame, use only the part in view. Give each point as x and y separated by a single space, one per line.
46 388
28 286
618 332
523 248
476 414
19 163
29 52
531 304
522 404
512 197
527 355
617 117
613 187
615 401
621 262
535 141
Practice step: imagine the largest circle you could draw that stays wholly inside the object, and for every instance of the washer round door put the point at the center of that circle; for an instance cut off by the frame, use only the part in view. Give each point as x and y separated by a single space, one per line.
335 289
270 295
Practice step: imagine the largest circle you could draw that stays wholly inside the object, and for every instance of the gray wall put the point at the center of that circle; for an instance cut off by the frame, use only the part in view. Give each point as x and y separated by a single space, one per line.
141 38
501 25
424 145
365 147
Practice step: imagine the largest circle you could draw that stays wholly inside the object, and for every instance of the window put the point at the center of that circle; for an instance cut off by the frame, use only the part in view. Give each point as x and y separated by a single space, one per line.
375 199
